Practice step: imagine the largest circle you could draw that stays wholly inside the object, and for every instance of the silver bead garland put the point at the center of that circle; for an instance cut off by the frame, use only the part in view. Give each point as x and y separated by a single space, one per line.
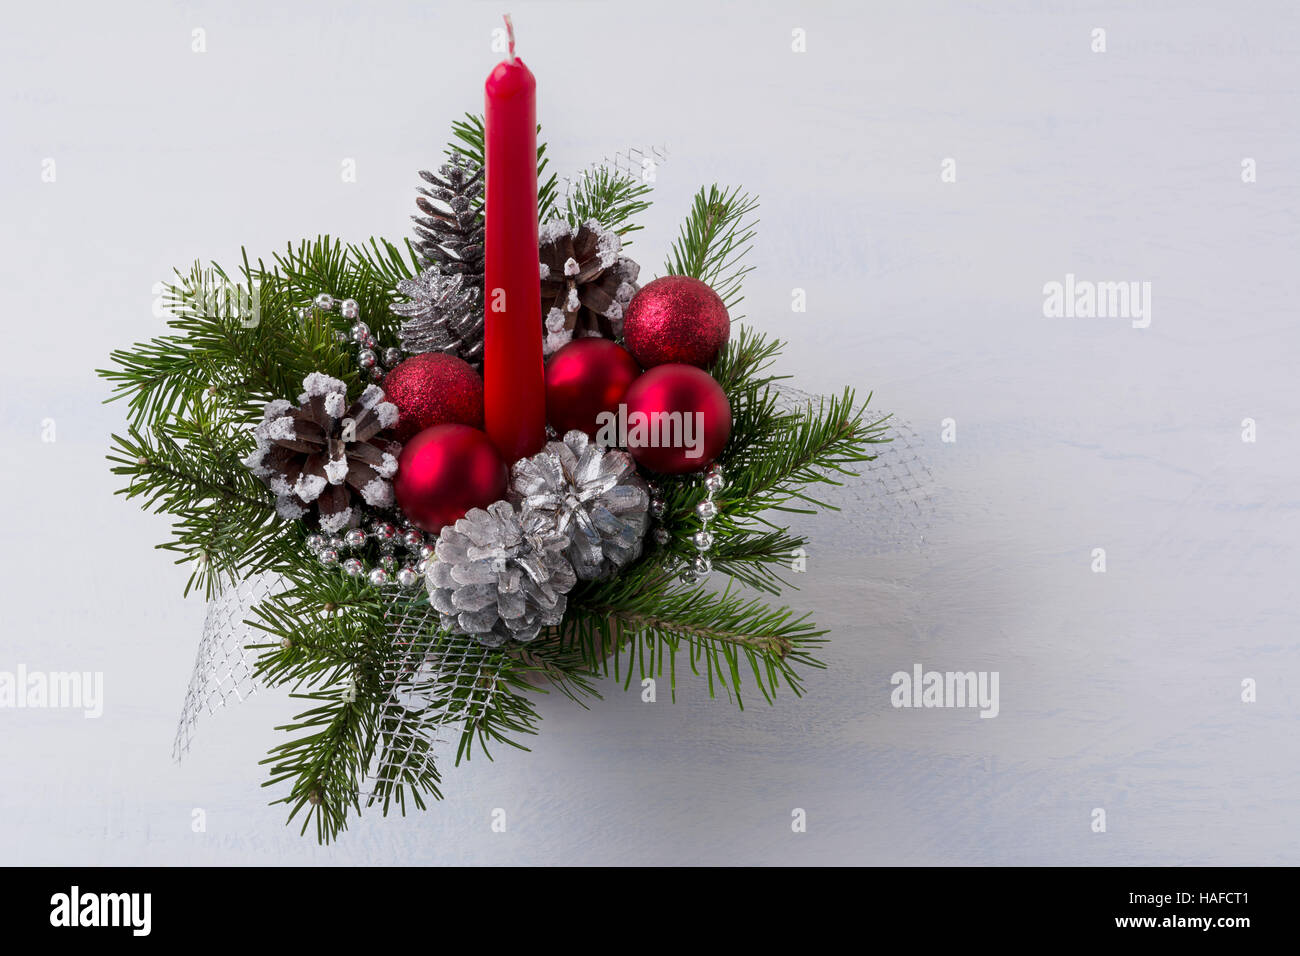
333 550
689 572
390 536
371 359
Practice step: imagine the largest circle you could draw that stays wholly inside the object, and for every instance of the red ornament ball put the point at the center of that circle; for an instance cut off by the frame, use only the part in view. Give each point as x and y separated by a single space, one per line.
585 378
434 389
678 419
445 471
675 319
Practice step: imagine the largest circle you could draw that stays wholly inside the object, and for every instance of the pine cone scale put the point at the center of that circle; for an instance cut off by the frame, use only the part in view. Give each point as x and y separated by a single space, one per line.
308 430
334 500
314 467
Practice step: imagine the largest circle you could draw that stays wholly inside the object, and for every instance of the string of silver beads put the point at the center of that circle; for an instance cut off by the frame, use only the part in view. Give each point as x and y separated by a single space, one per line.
706 510
391 537
372 360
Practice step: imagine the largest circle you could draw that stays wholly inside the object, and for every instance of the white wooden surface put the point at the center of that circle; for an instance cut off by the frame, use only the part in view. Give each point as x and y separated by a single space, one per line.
1119 691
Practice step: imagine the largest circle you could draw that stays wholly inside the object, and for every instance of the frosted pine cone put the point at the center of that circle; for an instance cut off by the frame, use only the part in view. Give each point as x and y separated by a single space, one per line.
586 282
444 313
593 495
325 455
500 574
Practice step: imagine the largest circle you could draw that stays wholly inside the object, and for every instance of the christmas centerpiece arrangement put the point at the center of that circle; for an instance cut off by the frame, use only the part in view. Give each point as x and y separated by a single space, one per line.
487 463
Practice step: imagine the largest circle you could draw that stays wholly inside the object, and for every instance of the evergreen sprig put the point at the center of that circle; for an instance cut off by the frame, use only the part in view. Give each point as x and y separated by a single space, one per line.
651 620
346 643
715 238
609 197
190 469
332 645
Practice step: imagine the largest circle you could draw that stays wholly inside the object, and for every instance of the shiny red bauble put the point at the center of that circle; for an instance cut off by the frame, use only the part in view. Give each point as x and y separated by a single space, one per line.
445 471
584 379
433 389
675 319
678 419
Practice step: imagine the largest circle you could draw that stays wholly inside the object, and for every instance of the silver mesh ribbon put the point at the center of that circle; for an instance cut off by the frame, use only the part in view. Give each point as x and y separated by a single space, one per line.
420 715
223 670
888 507
632 163
894 508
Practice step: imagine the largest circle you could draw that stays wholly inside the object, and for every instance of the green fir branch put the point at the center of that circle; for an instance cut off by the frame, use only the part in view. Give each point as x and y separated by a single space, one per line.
715 238
327 631
332 646
609 197
368 274
746 361
650 620
191 470
248 339
324 761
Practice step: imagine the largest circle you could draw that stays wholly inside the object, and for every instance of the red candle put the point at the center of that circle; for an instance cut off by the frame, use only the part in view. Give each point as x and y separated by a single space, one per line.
514 389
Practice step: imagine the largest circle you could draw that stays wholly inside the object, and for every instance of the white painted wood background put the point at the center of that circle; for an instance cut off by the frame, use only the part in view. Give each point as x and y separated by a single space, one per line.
1119 691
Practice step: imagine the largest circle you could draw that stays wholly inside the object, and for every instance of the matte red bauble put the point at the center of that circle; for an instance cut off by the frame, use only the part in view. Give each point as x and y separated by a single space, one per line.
682 442
675 319
585 378
434 389
445 471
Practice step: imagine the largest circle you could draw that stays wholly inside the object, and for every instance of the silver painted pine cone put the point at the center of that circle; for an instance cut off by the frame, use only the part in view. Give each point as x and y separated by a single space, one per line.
500 574
593 495
443 313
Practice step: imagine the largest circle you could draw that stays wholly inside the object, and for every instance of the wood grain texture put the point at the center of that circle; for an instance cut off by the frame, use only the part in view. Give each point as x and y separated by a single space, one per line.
1118 691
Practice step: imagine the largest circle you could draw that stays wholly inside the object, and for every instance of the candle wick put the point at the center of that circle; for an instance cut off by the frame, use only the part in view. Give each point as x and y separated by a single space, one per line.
510 35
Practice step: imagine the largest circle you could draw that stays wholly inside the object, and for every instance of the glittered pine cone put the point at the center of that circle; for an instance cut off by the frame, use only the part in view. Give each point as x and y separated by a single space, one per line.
327 457
500 574
595 498
586 282
443 313
449 231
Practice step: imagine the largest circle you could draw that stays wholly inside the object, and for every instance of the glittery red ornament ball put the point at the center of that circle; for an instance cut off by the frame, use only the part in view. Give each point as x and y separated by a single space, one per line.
434 389
584 379
445 471
675 319
684 416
